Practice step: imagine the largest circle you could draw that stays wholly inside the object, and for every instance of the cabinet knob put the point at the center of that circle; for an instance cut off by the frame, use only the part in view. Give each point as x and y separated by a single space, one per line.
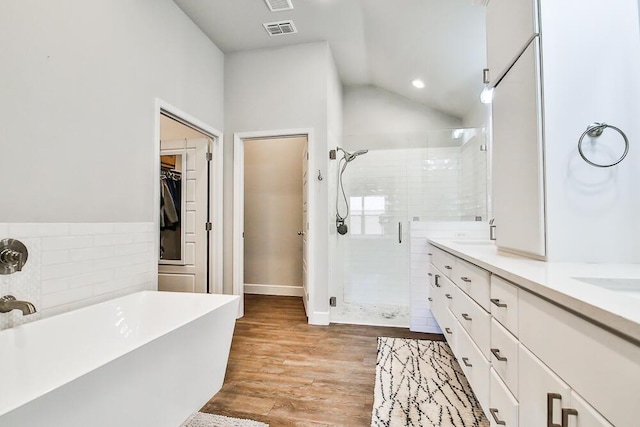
430 299
447 330
465 360
437 282
448 267
494 414
465 279
496 353
448 296
465 316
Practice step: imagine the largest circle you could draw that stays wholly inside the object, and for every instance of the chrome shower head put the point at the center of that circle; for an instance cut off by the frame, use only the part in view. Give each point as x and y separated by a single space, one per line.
350 156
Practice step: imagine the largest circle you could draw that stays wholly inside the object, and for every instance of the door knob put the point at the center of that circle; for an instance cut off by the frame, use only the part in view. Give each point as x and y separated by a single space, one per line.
301 233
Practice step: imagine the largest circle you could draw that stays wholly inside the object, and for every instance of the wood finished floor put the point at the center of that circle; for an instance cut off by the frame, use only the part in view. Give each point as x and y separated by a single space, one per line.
285 372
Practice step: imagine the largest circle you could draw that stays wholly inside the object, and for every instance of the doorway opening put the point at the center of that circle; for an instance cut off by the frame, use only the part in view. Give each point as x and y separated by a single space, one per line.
189 203
273 215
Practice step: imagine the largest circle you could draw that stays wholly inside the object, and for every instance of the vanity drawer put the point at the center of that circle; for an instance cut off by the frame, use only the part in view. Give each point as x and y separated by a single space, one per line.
504 355
503 407
474 281
475 367
504 303
443 261
474 320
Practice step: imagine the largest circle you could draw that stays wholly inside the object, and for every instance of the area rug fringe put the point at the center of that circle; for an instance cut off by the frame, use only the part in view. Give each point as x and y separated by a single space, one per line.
419 383
201 419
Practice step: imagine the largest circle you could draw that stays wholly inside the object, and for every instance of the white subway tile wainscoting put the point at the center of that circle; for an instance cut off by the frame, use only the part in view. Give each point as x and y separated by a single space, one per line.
74 265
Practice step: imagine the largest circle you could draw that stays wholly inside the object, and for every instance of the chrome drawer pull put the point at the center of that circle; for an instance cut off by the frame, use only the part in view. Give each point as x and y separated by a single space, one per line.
565 415
496 353
447 330
430 299
466 279
448 267
494 414
466 362
448 296
465 316
437 281
498 303
550 398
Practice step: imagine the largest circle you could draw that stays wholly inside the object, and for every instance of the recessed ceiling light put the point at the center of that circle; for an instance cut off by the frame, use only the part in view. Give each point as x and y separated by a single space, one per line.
417 83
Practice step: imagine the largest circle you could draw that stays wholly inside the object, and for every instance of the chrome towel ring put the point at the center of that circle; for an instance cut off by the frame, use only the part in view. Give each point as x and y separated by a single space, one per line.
594 130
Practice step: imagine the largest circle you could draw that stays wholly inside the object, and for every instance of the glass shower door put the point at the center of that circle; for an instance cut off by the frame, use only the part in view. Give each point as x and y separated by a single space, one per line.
375 251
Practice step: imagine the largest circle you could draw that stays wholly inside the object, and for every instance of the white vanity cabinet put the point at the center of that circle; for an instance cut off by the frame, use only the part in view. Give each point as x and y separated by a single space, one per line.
518 170
532 363
548 89
510 26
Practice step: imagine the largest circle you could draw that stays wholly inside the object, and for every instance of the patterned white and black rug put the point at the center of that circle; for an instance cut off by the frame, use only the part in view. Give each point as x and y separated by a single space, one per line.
201 419
420 384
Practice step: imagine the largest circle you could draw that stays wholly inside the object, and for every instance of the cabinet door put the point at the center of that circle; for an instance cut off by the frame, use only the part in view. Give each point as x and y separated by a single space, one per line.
541 393
584 415
510 25
518 189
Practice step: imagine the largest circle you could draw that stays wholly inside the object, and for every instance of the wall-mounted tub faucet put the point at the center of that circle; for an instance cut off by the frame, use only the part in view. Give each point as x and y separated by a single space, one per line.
13 256
9 303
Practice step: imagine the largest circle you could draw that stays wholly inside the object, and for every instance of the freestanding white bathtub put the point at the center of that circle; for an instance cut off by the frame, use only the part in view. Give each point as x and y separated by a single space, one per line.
146 359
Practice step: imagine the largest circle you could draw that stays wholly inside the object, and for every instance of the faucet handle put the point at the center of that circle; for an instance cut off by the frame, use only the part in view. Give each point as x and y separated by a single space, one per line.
13 256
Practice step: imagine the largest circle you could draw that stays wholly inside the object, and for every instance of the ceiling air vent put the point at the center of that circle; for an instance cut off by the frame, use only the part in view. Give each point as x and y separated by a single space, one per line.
280 28
278 5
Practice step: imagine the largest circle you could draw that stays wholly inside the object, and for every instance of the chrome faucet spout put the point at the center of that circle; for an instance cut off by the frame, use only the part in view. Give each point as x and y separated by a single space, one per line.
9 303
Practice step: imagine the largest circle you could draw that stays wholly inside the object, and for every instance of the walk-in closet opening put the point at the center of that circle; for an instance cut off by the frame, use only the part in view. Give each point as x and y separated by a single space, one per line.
188 246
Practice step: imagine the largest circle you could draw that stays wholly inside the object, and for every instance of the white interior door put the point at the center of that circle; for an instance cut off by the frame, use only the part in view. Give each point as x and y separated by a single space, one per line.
189 273
305 225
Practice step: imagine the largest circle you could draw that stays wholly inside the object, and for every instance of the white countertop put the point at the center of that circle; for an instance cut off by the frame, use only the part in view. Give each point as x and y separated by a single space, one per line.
556 281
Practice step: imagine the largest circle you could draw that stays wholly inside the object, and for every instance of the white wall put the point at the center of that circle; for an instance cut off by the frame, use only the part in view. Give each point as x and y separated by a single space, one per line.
77 128
273 211
79 86
282 88
592 214
372 111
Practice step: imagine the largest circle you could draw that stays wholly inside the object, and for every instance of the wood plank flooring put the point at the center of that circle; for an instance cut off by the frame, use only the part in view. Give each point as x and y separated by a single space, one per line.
285 372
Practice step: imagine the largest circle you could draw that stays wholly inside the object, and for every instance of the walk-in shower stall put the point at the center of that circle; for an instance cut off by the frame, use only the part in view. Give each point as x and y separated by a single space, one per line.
403 178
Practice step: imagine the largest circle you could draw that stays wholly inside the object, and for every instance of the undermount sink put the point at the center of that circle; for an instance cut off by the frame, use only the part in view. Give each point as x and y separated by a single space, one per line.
629 287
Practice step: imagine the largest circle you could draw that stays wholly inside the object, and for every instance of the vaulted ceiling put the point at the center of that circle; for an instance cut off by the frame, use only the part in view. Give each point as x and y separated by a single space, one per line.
384 43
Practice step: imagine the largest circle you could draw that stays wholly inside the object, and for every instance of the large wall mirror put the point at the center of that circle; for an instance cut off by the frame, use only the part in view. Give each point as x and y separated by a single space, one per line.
172 206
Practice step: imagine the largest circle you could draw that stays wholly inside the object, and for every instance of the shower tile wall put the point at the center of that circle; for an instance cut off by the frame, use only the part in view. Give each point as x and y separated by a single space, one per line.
74 265
399 185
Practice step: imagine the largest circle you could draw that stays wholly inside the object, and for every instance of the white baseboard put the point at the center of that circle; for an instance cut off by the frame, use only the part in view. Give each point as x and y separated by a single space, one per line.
319 318
280 290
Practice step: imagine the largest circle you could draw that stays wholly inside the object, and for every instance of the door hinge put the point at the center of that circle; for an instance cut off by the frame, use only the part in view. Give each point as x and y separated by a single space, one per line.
209 157
332 301
208 226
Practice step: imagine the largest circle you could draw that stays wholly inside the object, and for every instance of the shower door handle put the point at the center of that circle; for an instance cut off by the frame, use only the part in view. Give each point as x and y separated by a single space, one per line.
400 232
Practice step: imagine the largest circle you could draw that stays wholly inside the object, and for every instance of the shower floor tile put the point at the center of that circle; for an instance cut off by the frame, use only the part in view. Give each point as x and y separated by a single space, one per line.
371 314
